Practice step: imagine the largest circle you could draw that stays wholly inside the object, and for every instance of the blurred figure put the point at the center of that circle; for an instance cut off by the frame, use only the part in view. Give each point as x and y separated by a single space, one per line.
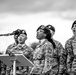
70 47
2 67
43 54
59 53
19 47
33 45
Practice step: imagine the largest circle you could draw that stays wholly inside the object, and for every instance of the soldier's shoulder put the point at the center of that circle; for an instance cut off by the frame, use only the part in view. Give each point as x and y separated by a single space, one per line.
28 47
57 42
47 43
12 45
69 40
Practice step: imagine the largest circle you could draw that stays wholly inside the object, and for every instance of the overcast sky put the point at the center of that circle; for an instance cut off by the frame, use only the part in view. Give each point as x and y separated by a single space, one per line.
29 14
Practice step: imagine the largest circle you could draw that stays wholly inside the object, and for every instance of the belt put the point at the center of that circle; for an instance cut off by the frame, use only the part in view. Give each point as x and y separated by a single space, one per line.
38 59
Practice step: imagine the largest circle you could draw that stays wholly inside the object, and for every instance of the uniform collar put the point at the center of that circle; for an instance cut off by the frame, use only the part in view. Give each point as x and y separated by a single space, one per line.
20 44
42 41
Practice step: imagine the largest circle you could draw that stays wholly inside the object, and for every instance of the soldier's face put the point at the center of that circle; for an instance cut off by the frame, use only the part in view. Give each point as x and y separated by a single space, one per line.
74 29
22 38
40 34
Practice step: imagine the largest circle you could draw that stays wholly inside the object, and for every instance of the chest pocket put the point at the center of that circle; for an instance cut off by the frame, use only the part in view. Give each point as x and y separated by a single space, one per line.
38 54
50 52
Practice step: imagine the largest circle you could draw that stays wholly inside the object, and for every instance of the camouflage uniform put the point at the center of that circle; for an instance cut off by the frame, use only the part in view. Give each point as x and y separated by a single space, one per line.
70 47
43 58
2 68
60 56
59 52
20 49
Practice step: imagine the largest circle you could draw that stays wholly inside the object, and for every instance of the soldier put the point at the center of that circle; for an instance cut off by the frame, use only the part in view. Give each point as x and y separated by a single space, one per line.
19 47
43 54
59 54
70 47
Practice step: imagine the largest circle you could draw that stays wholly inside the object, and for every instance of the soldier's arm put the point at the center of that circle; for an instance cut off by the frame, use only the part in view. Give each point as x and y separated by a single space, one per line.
28 52
48 48
69 51
62 58
8 50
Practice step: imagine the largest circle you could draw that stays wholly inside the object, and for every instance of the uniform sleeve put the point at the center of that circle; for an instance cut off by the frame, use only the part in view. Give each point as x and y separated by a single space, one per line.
28 52
69 51
61 58
8 49
48 48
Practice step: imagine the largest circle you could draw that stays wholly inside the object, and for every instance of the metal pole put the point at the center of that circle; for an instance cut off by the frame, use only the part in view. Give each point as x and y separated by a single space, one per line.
14 67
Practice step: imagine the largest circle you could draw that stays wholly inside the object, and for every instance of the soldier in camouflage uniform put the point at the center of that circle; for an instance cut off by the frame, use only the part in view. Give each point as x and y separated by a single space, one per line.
59 54
19 47
43 54
70 47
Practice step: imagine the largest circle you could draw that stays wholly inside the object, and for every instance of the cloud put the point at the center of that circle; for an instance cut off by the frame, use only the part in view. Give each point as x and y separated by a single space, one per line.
67 15
30 22
71 15
62 8
29 14
32 6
